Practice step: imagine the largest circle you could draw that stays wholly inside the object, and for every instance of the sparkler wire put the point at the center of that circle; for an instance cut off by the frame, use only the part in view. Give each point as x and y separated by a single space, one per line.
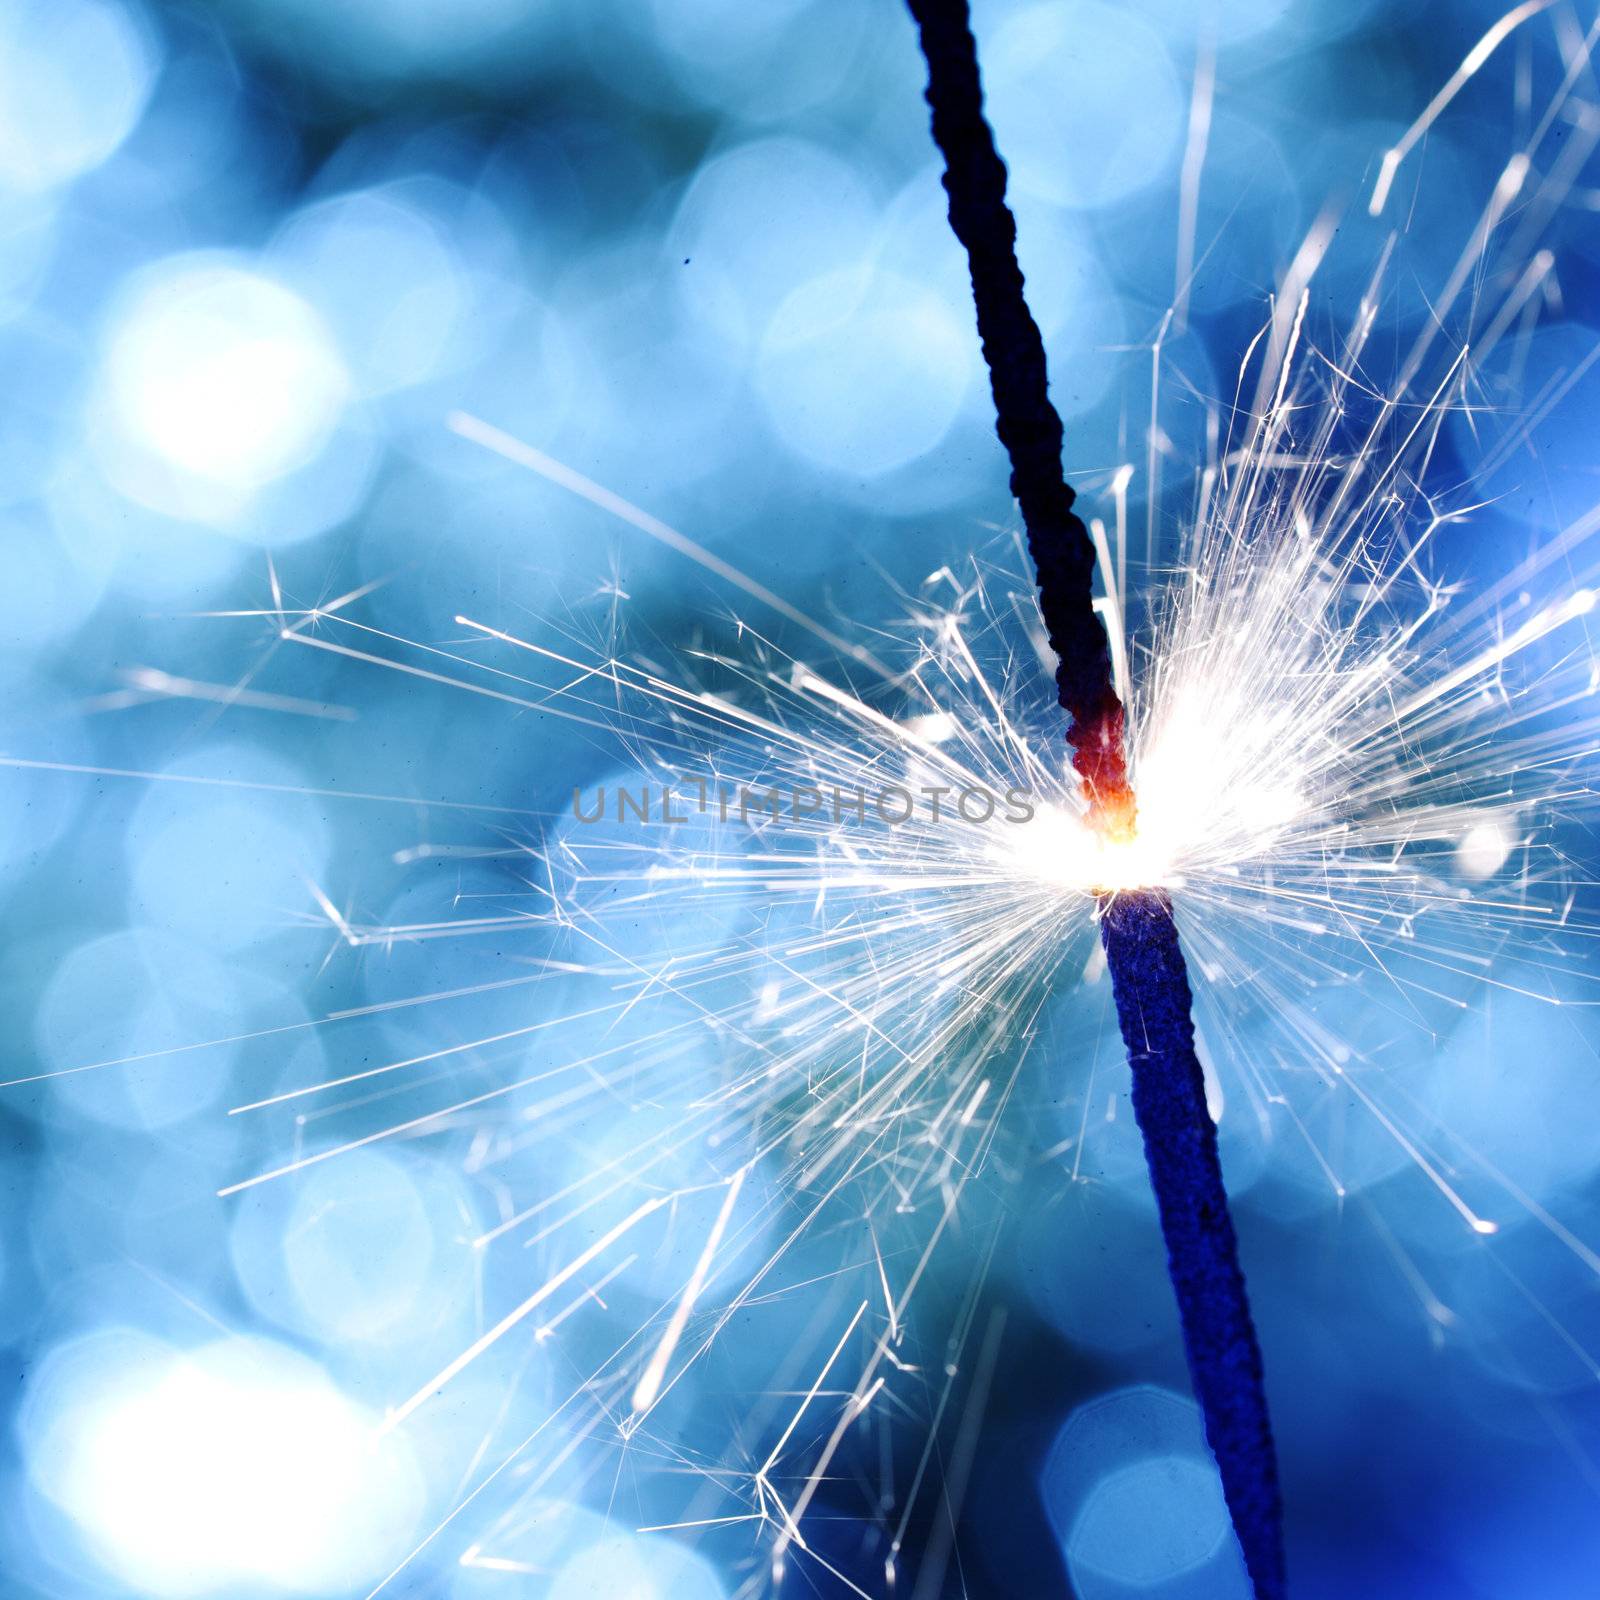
1028 424
1140 937
1151 985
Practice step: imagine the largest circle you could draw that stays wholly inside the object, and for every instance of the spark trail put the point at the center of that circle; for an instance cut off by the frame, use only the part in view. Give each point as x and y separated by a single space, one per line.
1149 979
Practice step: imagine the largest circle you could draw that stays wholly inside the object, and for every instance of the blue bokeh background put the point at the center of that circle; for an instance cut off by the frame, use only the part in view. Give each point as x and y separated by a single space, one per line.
253 255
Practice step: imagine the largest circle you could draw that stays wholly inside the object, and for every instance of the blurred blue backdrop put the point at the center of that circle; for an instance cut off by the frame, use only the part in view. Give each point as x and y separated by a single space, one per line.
253 256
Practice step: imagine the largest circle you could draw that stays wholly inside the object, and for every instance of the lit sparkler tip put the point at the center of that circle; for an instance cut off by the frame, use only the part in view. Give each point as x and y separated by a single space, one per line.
1114 814
1100 758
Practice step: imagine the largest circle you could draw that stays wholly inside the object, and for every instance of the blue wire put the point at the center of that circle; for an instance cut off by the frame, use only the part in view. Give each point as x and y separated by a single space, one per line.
1151 986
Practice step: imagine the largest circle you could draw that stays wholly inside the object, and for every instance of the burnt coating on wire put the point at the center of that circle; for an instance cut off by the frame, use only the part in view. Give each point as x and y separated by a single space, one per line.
1029 428
1149 979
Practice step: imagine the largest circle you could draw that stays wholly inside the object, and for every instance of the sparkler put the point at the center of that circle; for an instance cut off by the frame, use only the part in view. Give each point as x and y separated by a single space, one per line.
727 1042
1148 974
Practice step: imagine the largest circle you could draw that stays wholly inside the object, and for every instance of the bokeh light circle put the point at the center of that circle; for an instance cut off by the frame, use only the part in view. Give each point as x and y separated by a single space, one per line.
206 1471
636 1568
1135 1498
215 381
1060 79
864 371
75 76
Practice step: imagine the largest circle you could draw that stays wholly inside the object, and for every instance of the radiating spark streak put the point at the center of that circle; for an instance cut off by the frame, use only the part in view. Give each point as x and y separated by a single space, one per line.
525 455
1153 443
467 1500
429 1119
502 1564
1471 63
26 764
712 706
1578 604
592 1293
435 996
888 1297
1506 191
155 1055
776 1453
805 678
1539 412
1552 1225
425 932
453 852
333 914
699 1522
443 1053
868 1375
924 1462
978 1097
931 1571
331 608
152 682
549 693
1437 1312
1283 334
1110 605
1194 158
709 707
444 679
274 585
648 1390
624 1172
1542 1311
1479 1225
440 1379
